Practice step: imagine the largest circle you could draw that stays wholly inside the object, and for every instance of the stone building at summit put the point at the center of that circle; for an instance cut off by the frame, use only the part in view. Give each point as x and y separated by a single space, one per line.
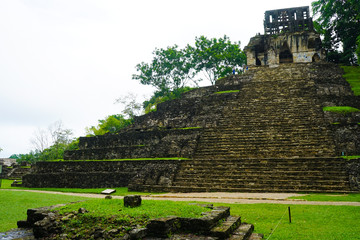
288 37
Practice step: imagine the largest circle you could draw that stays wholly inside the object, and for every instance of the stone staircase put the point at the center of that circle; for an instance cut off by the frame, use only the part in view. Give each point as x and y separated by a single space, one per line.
215 225
261 175
274 115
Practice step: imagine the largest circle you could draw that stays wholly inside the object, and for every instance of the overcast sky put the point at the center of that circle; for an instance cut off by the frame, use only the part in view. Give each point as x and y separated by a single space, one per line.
69 60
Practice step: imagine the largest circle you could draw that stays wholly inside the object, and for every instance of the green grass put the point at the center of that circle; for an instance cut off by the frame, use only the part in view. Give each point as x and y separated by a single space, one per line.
350 157
308 222
352 76
229 91
14 204
187 128
341 109
352 197
110 214
121 191
119 160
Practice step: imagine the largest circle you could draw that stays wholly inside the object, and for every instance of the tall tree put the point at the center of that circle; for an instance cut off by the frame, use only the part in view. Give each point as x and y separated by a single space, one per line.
340 21
173 68
216 57
170 69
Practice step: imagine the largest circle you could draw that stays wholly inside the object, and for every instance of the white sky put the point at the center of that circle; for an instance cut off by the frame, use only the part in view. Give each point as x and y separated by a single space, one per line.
70 60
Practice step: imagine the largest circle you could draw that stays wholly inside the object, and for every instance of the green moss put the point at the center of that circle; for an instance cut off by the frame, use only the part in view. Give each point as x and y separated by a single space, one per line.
229 91
350 157
341 109
352 76
119 160
335 123
187 128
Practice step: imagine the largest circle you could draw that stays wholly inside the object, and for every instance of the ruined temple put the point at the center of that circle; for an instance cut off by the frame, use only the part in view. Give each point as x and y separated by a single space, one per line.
288 37
264 130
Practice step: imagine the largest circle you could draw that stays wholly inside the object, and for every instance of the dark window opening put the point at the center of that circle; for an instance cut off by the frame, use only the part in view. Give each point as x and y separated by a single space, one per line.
316 57
285 55
258 62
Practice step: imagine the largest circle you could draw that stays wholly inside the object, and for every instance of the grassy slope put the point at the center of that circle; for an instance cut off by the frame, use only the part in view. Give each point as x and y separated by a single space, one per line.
352 75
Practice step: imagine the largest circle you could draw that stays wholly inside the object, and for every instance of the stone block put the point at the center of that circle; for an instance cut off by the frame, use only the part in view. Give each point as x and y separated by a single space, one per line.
132 201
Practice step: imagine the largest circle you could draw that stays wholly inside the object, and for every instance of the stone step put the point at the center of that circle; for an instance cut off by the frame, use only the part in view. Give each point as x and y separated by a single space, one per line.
243 232
226 227
283 176
189 188
243 181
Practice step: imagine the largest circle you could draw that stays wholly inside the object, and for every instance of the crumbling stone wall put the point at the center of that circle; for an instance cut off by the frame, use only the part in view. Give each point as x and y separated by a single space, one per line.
353 169
137 144
100 174
302 47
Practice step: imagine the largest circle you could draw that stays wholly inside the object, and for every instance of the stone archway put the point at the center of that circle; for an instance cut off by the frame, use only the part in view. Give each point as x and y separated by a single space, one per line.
285 55
316 57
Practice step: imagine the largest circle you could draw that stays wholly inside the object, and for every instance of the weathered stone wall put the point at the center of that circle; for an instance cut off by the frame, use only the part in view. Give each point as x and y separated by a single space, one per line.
137 144
353 169
333 90
305 47
191 111
100 174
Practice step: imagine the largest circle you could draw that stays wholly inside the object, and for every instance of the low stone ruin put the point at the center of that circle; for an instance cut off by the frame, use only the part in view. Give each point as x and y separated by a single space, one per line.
216 224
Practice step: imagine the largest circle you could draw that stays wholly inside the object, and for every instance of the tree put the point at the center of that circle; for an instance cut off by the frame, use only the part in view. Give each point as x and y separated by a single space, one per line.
173 68
54 134
131 107
358 48
339 21
216 57
1 149
170 69
110 124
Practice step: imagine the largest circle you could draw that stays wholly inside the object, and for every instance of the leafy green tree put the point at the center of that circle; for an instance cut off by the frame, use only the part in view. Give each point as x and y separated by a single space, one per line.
110 124
1 149
340 23
159 97
170 69
216 57
358 48
173 68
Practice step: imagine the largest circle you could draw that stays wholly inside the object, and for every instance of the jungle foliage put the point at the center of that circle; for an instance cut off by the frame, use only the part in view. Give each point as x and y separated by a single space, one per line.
339 23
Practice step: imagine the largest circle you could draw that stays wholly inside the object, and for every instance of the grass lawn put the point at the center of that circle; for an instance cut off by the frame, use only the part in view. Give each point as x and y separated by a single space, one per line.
308 222
14 204
352 75
352 197
122 191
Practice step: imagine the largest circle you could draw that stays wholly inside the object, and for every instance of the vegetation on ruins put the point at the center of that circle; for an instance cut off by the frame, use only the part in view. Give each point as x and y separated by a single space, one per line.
110 214
159 97
352 76
339 23
341 109
173 71
110 124
229 91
